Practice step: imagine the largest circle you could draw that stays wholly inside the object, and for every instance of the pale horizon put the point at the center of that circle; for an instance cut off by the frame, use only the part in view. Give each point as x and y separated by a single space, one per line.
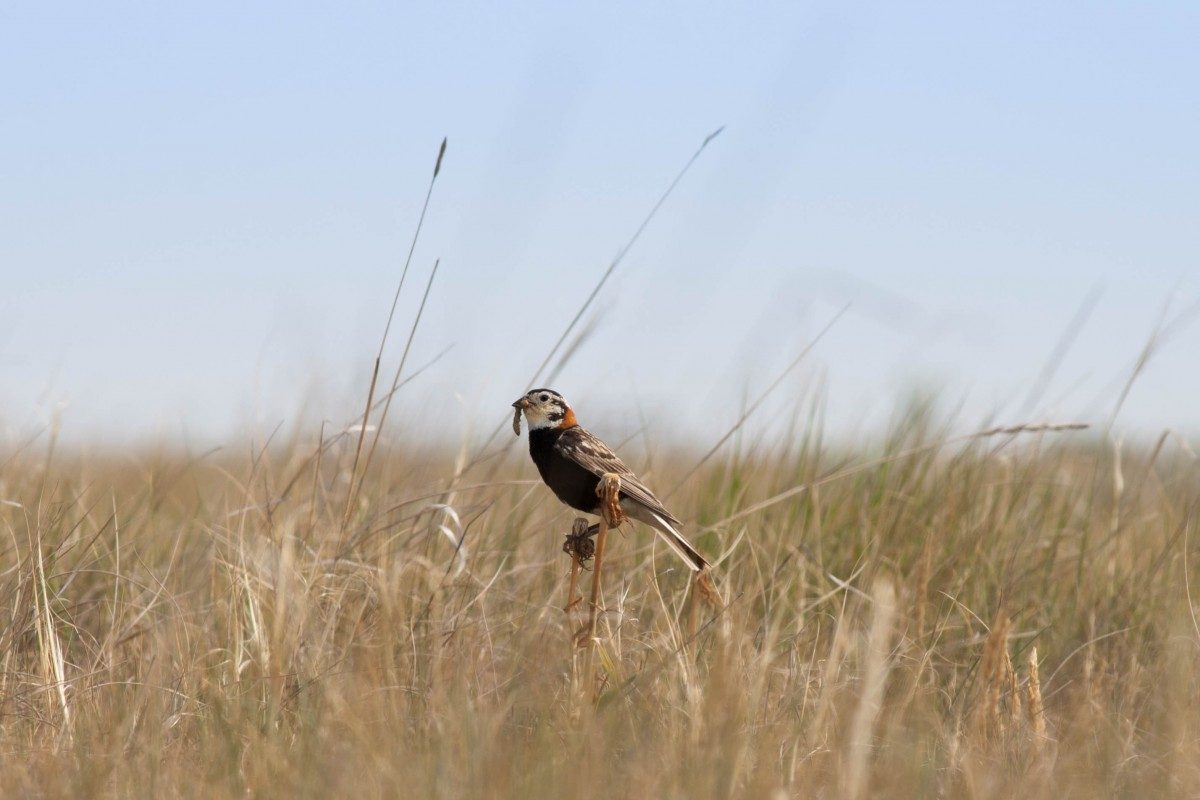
204 222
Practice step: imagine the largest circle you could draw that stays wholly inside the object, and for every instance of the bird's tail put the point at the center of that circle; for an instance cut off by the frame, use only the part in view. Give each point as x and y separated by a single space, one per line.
674 539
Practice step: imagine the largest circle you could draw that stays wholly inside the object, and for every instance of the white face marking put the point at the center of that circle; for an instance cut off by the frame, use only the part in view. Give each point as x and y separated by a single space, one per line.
544 409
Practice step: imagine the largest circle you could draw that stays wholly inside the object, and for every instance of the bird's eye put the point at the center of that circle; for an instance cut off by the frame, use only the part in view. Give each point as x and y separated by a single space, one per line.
543 397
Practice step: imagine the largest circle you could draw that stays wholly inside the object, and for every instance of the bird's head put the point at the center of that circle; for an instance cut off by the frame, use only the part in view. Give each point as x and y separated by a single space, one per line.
545 408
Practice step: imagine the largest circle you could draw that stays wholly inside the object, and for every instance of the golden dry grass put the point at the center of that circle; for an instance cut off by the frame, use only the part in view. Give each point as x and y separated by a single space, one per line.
209 627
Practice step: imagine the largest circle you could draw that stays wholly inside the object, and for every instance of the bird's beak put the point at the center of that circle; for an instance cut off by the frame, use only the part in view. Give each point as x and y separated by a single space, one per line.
522 403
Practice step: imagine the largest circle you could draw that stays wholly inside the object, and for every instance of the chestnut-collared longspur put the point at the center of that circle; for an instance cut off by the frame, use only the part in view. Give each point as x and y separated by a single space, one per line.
572 461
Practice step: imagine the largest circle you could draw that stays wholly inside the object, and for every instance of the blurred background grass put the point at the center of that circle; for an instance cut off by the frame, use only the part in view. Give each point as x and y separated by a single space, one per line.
208 627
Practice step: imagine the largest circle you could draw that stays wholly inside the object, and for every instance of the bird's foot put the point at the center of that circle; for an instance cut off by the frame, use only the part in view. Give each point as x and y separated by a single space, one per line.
609 492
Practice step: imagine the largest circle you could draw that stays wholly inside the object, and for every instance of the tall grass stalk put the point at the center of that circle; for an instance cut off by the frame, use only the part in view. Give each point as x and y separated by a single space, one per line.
940 620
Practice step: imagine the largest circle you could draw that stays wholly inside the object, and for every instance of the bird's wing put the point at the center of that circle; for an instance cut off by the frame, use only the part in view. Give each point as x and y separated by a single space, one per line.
598 458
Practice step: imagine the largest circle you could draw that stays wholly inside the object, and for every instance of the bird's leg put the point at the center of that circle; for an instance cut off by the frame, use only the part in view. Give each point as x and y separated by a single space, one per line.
609 492
577 546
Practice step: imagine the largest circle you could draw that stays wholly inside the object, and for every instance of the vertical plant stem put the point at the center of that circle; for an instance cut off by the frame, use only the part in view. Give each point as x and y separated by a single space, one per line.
597 572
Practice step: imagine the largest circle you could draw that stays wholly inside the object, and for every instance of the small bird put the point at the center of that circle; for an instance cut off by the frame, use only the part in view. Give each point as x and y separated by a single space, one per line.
571 461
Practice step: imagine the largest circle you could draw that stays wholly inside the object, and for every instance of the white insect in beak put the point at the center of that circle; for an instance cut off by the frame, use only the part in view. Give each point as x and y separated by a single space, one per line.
519 405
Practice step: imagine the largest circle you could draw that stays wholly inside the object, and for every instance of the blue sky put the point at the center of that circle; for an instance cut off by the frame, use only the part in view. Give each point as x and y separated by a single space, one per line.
205 208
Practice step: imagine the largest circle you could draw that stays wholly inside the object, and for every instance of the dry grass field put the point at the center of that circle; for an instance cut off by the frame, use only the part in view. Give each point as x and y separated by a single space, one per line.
1007 615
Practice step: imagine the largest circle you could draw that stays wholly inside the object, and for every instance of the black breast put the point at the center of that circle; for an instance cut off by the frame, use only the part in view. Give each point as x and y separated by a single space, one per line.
570 482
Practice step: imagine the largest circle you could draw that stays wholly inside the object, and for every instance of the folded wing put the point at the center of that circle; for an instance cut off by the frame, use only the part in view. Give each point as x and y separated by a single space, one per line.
640 503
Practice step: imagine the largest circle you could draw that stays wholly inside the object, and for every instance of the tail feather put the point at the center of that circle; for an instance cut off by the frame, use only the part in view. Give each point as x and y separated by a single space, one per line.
673 538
